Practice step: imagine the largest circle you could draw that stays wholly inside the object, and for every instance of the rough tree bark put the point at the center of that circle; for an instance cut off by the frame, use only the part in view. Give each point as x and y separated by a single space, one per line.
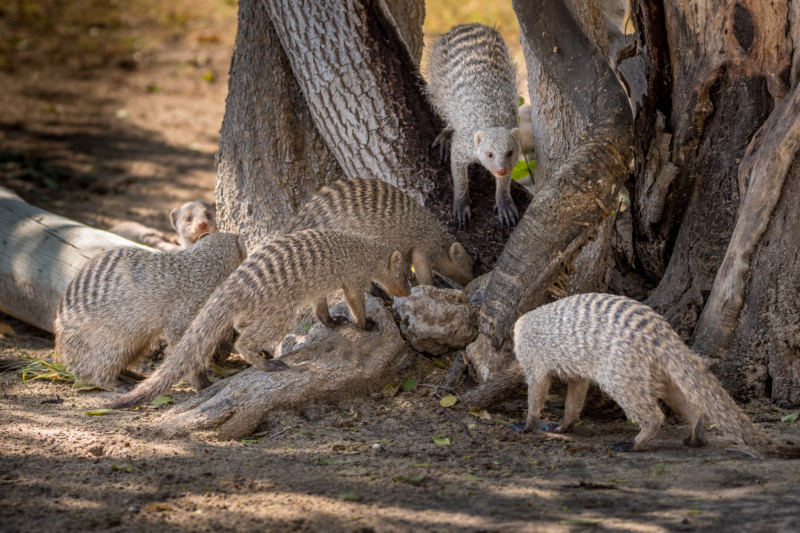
570 207
718 148
271 158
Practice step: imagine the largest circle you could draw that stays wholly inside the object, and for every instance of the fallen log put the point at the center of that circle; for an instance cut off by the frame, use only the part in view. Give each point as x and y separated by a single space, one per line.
40 253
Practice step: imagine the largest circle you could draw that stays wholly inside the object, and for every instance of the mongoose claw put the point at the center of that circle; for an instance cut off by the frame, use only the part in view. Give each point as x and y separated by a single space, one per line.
443 141
551 427
519 428
507 213
626 446
462 212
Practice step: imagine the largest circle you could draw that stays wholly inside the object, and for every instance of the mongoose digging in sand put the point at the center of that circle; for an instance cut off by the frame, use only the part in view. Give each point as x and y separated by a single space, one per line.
124 300
473 87
635 357
381 211
261 298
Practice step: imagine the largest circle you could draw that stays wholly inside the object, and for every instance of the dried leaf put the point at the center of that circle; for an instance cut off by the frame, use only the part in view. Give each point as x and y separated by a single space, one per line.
448 401
790 418
162 400
99 412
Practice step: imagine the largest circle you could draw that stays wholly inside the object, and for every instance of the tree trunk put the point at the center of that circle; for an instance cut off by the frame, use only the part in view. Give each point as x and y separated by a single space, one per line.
40 255
271 158
363 91
570 207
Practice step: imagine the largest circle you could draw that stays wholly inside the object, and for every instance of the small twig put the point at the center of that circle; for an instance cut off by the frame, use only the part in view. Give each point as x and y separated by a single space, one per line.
751 454
457 421
278 434
442 387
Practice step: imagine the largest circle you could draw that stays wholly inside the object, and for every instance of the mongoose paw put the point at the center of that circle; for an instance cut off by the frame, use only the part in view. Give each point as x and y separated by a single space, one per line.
462 212
443 140
551 427
696 443
335 322
627 446
507 213
370 325
519 428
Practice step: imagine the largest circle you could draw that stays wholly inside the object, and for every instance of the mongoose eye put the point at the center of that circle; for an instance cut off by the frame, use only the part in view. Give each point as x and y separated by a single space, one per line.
509 153
188 219
490 155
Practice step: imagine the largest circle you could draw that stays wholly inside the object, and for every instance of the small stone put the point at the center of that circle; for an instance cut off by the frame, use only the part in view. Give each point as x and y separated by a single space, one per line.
97 450
377 447
437 321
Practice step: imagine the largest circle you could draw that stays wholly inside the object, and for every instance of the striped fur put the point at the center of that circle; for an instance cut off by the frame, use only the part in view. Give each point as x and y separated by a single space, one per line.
381 211
261 298
635 357
473 87
124 300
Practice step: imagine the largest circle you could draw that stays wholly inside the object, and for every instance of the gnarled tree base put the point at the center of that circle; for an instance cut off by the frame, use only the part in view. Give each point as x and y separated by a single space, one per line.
328 365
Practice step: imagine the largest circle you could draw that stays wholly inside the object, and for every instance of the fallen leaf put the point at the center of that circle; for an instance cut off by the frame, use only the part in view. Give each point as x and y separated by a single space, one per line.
352 496
162 400
441 438
99 412
448 401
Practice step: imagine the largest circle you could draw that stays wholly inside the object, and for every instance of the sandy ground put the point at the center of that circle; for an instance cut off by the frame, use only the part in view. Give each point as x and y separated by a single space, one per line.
130 138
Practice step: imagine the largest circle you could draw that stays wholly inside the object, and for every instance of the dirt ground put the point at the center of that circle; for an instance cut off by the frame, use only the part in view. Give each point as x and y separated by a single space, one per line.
127 135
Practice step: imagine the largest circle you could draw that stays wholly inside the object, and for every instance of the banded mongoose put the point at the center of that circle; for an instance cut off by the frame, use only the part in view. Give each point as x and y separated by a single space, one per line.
473 87
190 220
261 298
376 209
193 219
126 300
635 357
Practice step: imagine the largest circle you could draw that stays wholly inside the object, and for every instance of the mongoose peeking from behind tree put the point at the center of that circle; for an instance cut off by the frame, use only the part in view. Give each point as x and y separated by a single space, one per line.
635 357
376 209
261 298
472 85
190 220
125 300
193 219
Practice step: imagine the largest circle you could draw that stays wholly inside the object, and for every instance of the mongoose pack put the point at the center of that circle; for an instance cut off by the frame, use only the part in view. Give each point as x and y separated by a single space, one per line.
261 298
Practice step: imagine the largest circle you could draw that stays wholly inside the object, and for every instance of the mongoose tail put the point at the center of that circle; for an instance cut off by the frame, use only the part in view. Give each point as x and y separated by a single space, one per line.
193 219
703 390
261 298
195 349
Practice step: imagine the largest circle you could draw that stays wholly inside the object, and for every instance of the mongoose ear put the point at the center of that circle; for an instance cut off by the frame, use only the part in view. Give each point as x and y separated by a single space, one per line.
479 135
456 252
395 260
517 135
240 244
173 218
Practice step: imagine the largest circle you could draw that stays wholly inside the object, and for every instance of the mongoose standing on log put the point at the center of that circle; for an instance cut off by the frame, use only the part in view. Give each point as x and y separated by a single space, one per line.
381 211
260 300
473 87
125 300
635 357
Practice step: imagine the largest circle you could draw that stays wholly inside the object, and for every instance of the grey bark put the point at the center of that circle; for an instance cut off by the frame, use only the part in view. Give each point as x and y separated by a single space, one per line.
271 158
40 255
569 208
363 91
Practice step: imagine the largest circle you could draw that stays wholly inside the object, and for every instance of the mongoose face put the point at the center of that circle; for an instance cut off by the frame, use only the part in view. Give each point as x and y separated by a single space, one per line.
498 150
394 278
457 265
193 219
